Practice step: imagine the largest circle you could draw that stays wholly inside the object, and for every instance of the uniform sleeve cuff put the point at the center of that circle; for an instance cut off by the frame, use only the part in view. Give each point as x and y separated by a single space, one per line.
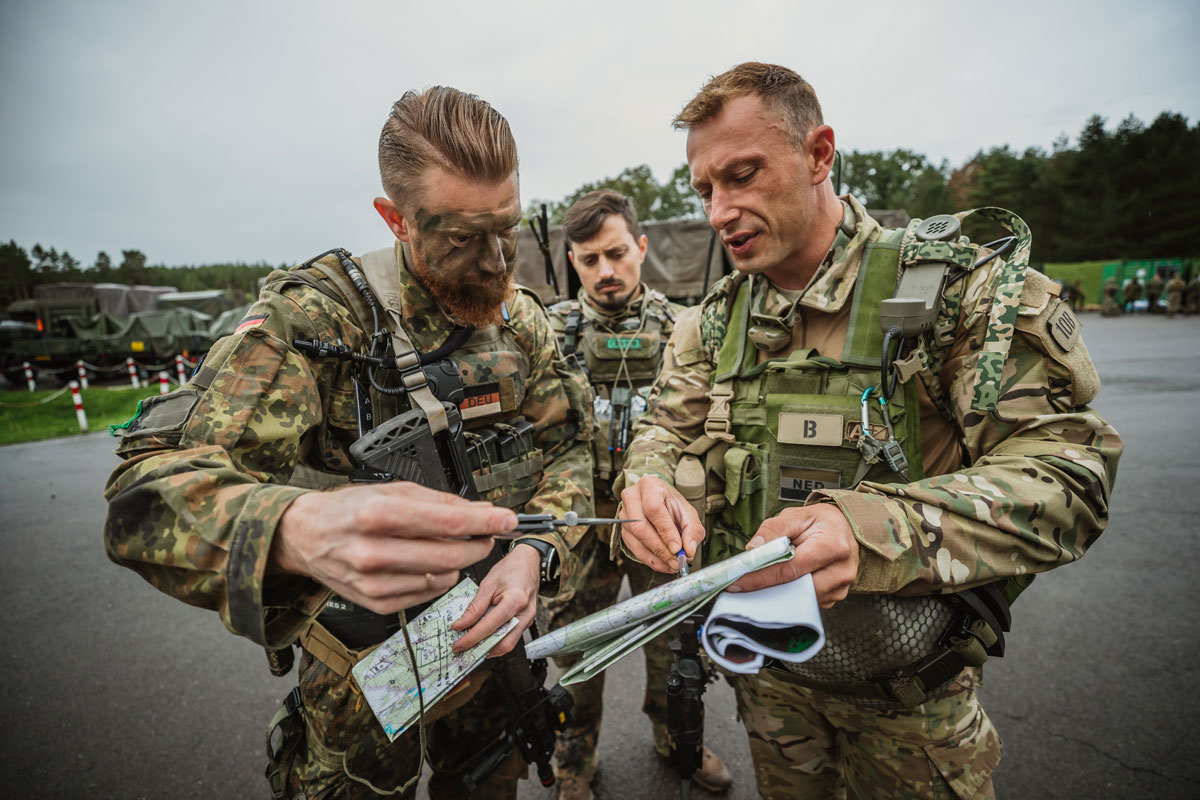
267 609
881 530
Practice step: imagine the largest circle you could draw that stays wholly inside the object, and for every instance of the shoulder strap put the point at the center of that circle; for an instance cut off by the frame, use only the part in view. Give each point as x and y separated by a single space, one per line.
573 326
381 268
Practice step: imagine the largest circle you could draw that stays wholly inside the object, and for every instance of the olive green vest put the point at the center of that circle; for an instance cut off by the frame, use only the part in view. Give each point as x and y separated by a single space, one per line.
796 422
625 358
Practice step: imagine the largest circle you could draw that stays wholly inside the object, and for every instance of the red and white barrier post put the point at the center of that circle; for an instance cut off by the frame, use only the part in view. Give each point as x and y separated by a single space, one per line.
164 383
179 370
133 376
83 383
82 417
29 381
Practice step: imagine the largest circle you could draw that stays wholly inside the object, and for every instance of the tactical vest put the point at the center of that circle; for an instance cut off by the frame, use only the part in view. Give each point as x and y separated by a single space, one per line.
620 366
781 429
489 372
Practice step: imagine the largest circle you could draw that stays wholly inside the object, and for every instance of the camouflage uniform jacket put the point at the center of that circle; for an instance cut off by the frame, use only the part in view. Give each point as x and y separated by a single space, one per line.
1017 490
662 314
195 505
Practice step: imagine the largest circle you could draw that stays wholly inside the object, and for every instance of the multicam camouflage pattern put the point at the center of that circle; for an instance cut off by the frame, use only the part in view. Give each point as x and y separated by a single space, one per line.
596 581
1042 464
195 505
827 748
1175 289
598 325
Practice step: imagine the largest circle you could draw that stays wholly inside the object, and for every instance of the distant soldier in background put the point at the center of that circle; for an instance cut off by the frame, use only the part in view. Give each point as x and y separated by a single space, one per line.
1175 289
1077 295
1154 290
1133 293
1191 296
1111 309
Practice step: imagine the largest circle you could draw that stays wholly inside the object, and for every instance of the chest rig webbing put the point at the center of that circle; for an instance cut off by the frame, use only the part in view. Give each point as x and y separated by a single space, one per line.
426 419
778 430
620 362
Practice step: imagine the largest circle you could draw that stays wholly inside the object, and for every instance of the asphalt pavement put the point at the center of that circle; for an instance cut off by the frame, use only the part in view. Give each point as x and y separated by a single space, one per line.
112 690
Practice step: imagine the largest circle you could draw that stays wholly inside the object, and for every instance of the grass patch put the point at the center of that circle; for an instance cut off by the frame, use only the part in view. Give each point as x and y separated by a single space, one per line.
1089 273
22 421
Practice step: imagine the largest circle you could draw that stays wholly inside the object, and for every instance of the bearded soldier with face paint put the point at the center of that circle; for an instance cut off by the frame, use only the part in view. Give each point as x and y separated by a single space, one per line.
235 493
617 327
907 407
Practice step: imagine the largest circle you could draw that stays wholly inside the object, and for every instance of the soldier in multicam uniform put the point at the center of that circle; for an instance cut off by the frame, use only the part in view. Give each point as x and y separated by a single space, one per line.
1111 307
233 495
1175 289
1191 296
983 467
618 328
1154 290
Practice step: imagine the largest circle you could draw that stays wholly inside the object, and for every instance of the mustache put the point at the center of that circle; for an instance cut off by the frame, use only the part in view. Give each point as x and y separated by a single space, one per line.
610 282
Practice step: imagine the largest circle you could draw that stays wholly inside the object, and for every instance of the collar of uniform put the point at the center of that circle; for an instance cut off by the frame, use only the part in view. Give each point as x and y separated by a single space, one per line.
603 318
424 320
833 283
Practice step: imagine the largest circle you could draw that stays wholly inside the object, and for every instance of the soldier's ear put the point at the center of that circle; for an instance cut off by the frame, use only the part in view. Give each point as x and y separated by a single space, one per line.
641 243
396 221
571 257
819 148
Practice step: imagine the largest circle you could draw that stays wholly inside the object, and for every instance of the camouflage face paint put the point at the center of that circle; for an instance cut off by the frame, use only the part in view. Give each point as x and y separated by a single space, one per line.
466 261
457 245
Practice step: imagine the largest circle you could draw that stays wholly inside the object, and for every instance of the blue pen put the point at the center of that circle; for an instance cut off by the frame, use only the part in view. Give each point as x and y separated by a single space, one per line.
683 565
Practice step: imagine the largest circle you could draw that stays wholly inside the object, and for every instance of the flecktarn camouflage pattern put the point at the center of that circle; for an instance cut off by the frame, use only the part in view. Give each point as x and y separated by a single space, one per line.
210 468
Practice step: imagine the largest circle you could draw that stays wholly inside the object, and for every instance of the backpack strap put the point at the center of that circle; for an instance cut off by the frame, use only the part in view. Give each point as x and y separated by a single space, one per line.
382 268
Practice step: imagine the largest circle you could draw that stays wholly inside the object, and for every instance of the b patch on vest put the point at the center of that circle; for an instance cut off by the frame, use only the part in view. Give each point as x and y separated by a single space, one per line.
481 401
818 429
1064 326
796 483
618 343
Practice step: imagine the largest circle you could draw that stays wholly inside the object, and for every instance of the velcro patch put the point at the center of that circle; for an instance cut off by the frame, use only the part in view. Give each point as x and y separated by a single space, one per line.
797 484
251 322
1064 326
818 429
879 433
481 401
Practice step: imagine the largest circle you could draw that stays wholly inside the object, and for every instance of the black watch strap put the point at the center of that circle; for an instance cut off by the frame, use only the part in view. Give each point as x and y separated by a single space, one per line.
550 570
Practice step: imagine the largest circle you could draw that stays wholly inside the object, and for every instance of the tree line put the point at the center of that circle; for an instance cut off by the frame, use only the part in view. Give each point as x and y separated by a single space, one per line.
1126 193
21 271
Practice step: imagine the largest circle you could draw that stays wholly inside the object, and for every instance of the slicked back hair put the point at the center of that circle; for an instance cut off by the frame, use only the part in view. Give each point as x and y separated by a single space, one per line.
442 126
782 90
584 219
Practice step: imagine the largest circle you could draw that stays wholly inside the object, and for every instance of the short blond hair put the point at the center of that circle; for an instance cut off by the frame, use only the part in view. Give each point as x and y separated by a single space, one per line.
781 90
442 126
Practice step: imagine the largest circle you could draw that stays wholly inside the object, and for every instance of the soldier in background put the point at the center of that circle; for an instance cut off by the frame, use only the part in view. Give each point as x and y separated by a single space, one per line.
1131 294
1077 295
236 492
1191 296
1154 290
774 390
1175 289
1111 307
617 327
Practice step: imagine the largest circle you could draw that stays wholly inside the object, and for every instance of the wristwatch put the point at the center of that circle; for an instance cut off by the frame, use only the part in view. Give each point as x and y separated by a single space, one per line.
550 570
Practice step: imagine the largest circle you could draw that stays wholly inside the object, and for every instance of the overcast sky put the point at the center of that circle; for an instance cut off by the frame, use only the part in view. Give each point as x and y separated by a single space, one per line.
246 131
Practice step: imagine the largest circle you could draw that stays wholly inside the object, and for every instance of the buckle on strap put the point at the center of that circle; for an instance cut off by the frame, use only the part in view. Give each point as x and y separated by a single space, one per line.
719 422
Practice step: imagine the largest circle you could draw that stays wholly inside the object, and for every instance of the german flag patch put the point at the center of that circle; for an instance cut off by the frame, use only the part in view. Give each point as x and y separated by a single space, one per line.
251 322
